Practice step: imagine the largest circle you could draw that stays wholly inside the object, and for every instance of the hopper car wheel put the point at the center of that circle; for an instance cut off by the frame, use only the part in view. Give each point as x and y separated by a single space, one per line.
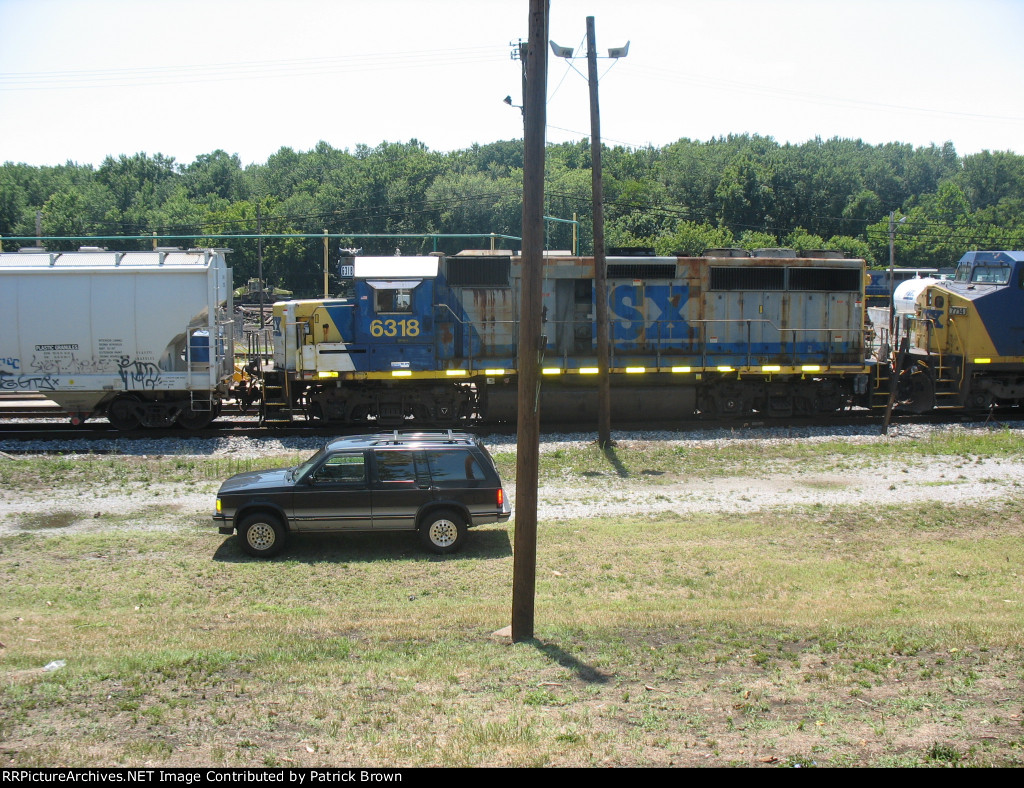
443 532
195 419
123 415
262 535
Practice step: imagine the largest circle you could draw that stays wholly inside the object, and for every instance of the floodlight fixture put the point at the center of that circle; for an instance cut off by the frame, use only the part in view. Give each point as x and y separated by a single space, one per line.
565 52
616 52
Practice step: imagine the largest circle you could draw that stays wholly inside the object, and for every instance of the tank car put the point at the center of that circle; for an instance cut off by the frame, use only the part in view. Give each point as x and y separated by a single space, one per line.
962 340
144 338
880 286
435 338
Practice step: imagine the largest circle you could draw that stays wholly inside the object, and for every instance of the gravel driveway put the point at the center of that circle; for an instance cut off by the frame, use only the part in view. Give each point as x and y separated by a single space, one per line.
915 478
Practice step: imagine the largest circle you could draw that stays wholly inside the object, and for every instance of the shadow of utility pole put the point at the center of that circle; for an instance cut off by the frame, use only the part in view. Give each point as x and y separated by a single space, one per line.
616 463
583 671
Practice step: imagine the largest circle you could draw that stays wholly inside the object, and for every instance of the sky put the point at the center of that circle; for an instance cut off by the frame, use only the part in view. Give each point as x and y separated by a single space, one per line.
81 80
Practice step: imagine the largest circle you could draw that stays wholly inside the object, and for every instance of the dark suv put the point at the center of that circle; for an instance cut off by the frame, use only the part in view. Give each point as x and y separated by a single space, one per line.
436 483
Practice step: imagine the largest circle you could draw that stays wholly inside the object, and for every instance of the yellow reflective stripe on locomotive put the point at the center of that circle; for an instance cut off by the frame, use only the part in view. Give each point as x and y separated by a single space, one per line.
551 372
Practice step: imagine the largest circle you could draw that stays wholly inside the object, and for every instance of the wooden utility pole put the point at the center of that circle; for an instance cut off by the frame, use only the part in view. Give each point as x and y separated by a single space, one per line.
524 565
327 293
604 399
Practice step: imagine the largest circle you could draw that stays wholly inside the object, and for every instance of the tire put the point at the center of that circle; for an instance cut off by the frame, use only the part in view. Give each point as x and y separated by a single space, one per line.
262 535
443 532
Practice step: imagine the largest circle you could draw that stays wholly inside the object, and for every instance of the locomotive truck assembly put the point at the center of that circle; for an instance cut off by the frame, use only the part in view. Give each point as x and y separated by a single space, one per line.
146 338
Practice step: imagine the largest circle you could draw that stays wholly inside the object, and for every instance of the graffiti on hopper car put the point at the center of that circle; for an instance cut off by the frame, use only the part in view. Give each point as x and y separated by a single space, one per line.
69 366
10 382
138 374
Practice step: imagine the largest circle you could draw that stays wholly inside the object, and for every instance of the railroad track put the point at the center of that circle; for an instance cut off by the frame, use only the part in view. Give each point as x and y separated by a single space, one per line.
41 426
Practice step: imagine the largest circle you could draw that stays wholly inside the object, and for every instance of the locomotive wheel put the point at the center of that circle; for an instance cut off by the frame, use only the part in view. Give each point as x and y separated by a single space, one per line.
314 412
724 403
980 400
123 415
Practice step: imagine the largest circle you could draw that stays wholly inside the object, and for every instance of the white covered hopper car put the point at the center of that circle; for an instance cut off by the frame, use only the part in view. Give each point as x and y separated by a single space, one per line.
143 338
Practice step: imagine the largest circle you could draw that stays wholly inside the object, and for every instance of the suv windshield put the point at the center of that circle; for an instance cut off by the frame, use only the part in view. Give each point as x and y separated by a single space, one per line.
299 470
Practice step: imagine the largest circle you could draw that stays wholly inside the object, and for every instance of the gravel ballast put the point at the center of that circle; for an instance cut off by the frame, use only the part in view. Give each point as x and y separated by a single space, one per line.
913 479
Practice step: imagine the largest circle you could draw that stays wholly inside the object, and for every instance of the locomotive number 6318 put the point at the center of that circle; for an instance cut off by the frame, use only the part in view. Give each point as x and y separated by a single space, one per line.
395 328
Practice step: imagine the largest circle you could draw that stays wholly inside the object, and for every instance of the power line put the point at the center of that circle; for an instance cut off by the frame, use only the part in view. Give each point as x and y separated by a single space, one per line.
244 70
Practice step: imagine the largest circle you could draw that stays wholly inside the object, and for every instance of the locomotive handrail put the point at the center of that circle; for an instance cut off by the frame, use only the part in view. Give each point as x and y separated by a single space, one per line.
461 322
960 342
659 343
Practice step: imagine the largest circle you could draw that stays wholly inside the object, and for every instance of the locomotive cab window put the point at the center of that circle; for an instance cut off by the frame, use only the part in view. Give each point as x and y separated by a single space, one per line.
392 297
393 301
991 274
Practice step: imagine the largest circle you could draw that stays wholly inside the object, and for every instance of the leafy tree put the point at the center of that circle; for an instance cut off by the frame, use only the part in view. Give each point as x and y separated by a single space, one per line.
215 175
851 247
75 211
13 203
986 178
692 239
803 241
752 239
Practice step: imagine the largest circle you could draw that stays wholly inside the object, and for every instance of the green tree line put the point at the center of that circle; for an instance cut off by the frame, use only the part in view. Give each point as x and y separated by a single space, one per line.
737 191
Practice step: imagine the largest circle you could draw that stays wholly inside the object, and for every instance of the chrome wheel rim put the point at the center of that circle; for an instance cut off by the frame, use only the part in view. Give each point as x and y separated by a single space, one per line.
261 536
443 533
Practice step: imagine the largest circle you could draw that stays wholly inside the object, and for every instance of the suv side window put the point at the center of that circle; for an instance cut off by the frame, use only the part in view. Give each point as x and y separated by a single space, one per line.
454 467
342 469
397 466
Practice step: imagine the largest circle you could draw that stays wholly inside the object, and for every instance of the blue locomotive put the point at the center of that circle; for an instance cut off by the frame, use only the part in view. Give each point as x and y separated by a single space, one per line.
434 338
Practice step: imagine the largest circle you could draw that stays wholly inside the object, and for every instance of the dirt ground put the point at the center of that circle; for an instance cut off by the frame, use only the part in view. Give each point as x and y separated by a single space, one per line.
917 479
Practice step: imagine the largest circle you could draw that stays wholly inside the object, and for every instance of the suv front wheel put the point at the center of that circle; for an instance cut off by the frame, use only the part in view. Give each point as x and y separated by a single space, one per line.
443 532
262 535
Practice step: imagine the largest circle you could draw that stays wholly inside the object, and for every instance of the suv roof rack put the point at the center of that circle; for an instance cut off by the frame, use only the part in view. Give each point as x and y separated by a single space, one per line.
396 437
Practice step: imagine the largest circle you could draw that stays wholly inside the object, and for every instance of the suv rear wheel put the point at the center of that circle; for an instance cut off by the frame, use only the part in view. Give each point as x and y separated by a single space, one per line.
262 535
443 532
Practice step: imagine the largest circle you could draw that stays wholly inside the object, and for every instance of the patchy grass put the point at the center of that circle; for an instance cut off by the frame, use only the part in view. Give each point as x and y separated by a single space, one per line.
807 637
91 471
656 462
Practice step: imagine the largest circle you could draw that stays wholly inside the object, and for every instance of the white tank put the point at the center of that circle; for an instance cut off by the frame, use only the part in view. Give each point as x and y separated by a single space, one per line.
905 297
